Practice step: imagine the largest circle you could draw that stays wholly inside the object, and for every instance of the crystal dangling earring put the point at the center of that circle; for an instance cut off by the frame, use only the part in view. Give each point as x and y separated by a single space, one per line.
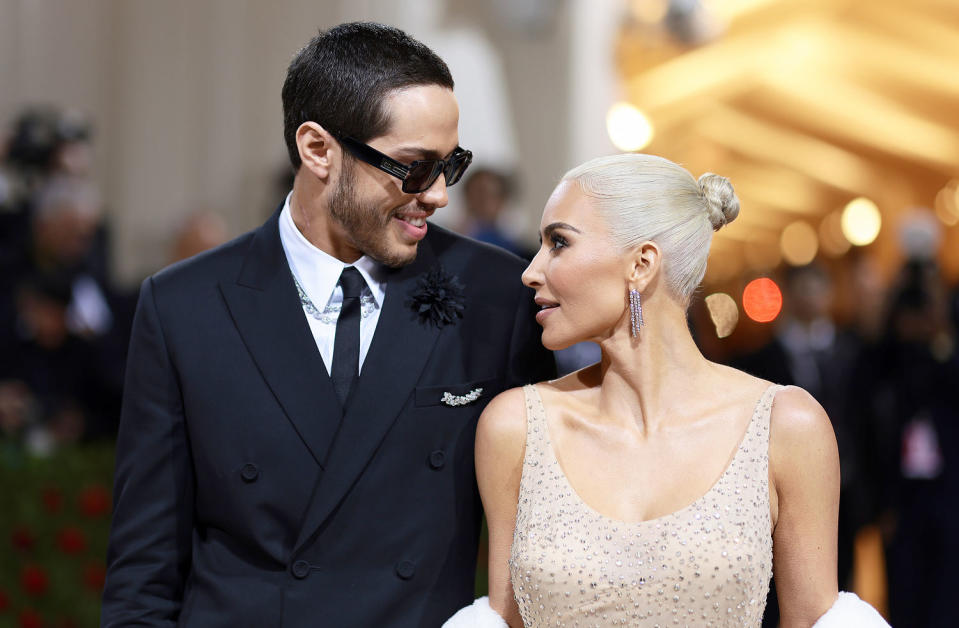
639 309
635 312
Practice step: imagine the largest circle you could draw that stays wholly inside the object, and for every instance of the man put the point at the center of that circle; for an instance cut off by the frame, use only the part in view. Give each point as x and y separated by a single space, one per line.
260 480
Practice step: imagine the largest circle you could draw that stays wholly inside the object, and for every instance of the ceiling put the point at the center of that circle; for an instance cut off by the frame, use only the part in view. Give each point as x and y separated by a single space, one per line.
804 105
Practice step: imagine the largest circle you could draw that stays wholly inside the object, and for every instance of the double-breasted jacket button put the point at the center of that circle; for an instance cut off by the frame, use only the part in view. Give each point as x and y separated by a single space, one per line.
249 473
301 569
405 569
437 459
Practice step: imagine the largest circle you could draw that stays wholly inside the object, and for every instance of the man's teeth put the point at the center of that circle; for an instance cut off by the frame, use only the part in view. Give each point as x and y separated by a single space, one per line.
416 222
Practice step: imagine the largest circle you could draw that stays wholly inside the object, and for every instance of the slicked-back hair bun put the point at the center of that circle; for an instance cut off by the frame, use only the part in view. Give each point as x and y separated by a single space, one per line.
647 198
722 204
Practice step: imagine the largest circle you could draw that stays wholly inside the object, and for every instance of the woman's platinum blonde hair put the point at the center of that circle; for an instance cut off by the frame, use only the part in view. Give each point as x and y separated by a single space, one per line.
648 198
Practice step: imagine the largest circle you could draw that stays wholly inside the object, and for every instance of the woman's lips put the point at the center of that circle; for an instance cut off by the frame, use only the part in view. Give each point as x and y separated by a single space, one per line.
544 312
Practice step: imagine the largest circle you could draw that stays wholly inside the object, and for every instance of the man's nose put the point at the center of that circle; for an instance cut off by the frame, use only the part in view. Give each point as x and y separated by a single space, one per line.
435 195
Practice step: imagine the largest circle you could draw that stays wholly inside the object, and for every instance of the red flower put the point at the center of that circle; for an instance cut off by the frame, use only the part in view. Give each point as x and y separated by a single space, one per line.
30 618
52 499
4 601
71 540
34 580
94 575
22 538
94 501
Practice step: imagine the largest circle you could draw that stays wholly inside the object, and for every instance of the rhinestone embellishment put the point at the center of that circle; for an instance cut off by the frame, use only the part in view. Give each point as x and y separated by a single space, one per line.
331 312
461 400
707 564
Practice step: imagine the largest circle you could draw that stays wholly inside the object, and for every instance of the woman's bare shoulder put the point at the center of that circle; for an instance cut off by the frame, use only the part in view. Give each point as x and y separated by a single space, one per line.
797 417
801 436
503 421
500 448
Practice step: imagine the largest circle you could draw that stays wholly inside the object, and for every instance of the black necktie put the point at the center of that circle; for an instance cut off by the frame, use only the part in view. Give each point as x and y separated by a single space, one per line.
346 343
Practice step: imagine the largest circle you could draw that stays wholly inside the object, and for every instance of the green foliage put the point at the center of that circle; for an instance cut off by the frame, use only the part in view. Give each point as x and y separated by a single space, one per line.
54 523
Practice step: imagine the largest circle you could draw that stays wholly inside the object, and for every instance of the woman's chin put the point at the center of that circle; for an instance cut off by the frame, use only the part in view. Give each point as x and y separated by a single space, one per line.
556 343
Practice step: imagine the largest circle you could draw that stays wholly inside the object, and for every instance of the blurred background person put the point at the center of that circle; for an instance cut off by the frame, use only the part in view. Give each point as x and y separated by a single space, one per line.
51 211
201 231
867 294
43 141
63 328
66 221
912 405
55 387
486 196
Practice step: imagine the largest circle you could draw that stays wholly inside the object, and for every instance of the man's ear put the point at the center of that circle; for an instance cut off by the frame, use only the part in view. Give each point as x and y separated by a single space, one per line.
318 150
645 261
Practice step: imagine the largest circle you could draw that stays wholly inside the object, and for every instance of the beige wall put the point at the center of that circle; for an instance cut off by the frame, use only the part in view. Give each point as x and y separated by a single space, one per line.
185 96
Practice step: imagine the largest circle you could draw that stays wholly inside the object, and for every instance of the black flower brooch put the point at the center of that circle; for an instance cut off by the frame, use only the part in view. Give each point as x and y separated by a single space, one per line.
438 298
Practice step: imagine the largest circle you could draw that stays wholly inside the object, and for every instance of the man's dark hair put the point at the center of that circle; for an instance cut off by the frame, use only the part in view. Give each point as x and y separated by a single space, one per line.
342 77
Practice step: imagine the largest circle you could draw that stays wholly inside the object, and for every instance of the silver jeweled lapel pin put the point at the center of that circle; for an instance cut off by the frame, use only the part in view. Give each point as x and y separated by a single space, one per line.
461 400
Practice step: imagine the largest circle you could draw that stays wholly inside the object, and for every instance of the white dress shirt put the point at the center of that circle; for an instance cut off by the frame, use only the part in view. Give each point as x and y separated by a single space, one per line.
318 274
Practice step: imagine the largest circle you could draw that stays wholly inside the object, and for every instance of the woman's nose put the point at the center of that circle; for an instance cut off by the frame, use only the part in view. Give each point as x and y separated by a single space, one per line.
533 275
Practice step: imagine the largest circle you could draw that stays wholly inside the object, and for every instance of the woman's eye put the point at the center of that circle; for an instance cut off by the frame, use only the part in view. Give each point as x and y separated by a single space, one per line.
558 242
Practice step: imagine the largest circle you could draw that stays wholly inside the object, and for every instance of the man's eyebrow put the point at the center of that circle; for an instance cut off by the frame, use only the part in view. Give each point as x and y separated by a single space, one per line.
553 226
419 152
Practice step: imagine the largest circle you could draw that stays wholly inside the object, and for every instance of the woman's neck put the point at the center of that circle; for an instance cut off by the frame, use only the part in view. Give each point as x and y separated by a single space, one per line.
645 379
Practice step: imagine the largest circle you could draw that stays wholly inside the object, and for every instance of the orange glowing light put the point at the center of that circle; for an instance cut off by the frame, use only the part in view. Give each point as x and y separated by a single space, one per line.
762 300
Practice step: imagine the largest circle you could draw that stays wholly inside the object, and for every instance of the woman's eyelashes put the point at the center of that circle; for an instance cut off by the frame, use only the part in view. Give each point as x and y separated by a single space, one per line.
557 241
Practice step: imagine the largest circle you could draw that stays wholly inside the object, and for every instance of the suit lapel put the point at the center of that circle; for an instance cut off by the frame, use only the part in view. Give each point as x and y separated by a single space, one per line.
401 346
267 312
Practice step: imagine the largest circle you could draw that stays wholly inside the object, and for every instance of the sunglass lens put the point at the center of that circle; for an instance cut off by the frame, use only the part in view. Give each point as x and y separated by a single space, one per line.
422 175
457 166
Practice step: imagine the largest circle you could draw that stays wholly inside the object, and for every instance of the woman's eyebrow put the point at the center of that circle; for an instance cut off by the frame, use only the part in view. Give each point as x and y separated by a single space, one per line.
553 226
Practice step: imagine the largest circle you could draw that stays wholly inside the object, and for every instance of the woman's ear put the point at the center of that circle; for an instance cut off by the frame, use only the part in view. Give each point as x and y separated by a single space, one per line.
645 261
318 150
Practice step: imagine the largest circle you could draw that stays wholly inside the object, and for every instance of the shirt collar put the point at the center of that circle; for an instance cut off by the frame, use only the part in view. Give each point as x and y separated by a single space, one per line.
317 271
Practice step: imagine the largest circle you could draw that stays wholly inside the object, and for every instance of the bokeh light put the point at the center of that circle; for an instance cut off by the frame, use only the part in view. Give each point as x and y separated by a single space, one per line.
947 204
723 312
762 300
629 129
861 221
649 11
832 241
799 243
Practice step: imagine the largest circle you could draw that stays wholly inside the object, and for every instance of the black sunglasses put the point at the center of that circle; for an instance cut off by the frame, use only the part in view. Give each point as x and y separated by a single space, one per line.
420 175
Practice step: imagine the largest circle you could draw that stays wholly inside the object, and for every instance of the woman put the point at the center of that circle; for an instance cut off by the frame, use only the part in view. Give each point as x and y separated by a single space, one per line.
654 487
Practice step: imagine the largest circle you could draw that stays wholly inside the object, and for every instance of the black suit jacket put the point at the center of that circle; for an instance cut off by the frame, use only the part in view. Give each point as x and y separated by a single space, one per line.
243 499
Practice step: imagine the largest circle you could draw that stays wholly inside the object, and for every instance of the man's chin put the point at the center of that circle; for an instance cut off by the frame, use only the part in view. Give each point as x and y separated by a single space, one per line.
398 257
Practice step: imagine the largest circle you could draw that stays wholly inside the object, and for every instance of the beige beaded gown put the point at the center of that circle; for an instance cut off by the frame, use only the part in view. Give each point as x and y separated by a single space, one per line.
708 564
